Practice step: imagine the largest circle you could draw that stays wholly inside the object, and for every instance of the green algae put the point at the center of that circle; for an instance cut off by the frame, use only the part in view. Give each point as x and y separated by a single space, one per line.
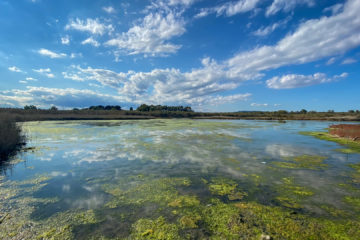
184 201
353 146
312 162
223 186
190 221
353 201
291 195
155 229
161 191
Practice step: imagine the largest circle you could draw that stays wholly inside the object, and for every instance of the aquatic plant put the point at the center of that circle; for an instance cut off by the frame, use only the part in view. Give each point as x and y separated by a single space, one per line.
354 146
312 162
291 195
157 229
223 186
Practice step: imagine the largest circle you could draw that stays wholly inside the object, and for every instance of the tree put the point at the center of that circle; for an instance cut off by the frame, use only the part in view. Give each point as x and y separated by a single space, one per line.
131 109
303 111
53 108
30 107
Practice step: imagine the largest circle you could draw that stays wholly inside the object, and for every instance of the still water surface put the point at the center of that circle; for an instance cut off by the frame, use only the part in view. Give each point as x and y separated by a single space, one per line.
179 179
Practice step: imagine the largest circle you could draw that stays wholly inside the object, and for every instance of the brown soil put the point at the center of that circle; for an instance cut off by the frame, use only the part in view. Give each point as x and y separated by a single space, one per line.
351 131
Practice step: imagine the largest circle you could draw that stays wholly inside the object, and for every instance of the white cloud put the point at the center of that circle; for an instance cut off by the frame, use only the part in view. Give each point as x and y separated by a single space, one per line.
259 104
335 8
91 41
31 79
109 9
349 61
65 40
331 61
230 8
197 87
286 5
297 80
313 40
45 71
181 2
48 53
75 55
151 36
93 26
15 69
264 31
66 98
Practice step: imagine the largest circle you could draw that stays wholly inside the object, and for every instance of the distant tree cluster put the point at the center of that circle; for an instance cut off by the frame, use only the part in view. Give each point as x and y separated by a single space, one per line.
30 107
152 108
107 107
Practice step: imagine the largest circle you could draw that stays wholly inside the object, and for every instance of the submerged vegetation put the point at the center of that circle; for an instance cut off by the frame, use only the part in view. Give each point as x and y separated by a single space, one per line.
303 161
352 145
11 137
188 217
177 179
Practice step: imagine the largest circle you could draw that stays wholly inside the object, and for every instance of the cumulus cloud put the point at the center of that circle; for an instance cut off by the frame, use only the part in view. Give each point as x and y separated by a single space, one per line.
93 26
298 80
286 5
109 9
91 41
65 40
51 54
46 97
158 86
14 69
230 8
152 35
45 71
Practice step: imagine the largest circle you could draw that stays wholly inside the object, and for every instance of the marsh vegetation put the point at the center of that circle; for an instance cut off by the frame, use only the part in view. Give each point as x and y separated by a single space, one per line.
180 179
11 137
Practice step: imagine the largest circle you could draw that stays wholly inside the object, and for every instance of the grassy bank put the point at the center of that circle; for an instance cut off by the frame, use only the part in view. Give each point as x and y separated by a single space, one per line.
22 115
11 137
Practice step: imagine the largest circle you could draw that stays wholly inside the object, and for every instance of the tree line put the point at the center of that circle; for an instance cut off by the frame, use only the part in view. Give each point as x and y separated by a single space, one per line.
163 108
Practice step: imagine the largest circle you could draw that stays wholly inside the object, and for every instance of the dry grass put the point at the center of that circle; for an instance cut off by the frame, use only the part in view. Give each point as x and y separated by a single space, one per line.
11 137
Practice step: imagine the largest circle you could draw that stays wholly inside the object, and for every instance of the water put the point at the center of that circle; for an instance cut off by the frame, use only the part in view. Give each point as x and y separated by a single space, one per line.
179 179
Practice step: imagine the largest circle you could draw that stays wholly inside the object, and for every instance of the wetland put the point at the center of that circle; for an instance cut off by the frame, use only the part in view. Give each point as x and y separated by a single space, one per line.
181 179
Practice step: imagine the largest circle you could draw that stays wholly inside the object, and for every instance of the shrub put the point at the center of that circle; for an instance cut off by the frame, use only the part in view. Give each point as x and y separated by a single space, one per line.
11 137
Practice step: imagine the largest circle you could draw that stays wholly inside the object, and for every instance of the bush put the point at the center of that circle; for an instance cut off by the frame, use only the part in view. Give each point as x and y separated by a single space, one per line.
11 137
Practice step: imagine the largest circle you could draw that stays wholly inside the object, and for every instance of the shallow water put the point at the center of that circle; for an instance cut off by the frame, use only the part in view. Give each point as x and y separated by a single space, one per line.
179 179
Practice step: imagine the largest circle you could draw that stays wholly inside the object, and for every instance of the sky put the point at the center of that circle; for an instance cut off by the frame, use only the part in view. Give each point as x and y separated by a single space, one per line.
216 55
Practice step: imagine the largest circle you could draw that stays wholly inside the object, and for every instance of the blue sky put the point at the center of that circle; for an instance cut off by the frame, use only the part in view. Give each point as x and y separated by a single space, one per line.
212 55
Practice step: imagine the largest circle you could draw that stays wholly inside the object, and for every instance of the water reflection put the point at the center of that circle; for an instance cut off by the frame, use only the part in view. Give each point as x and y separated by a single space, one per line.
107 173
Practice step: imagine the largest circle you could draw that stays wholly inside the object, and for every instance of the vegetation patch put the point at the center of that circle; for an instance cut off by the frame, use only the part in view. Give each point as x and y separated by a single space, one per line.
160 191
11 137
222 186
155 229
312 162
354 146
291 195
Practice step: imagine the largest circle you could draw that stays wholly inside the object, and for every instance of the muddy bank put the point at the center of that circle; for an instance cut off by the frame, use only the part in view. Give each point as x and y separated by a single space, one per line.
350 131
